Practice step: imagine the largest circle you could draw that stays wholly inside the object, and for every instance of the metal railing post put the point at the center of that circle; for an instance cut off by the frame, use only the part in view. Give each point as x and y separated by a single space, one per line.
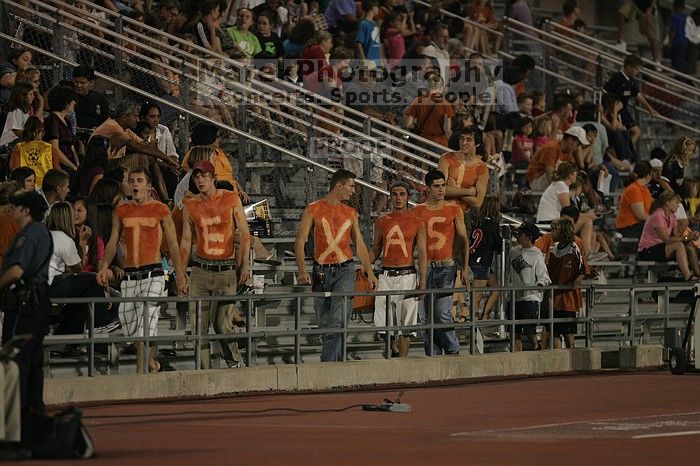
472 318
512 324
366 207
506 45
387 334
184 120
599 72
345 329
249 339
297 328
91 337
549 84
118 57
59 47
146 348
431 323
197 335
550 320
631 325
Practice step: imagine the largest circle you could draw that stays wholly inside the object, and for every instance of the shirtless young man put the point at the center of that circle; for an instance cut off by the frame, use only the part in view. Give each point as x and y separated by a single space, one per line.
143 222
396 236
444 220
215 214
334 224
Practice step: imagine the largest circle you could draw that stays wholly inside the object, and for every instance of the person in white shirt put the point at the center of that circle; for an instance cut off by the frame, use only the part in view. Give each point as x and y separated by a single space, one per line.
527 268
159 134
557 194
66 279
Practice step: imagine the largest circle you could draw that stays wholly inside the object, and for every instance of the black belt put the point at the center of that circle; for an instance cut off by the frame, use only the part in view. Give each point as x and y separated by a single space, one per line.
333 266
215 266
146 271
398 271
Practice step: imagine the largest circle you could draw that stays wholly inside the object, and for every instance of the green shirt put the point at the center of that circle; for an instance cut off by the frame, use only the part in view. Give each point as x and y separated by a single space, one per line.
246 41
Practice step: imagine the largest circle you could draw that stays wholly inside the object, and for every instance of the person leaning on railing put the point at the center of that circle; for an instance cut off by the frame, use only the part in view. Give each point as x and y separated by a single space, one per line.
662 241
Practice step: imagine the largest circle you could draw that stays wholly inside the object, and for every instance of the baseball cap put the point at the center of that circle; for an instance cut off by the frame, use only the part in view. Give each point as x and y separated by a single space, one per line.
579 133
203 166
529 229
656 163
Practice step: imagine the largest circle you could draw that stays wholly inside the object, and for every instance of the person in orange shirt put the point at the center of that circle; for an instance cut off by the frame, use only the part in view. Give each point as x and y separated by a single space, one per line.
143 223
540 170
334 224
8 226
635 202
396 236
443 221
215 214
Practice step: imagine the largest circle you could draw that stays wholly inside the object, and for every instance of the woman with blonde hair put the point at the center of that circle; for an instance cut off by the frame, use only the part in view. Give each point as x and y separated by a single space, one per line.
662 240
677 160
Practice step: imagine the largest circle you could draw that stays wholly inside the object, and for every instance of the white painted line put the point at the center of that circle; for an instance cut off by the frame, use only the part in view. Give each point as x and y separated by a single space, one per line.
668 434
563 424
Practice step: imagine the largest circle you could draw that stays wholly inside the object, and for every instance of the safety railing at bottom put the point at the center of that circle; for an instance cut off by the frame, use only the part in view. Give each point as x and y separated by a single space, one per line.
429 323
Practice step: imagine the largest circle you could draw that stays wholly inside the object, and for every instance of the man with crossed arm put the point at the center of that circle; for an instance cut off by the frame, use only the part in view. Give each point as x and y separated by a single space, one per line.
144 223
396 235
333 223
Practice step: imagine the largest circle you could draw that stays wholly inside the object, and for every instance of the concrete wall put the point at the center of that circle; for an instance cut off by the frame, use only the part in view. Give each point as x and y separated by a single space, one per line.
317 376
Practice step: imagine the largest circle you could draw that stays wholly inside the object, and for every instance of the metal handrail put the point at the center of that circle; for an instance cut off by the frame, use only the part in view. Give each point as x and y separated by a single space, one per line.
225 59
614 53
189 112
558 37
630 318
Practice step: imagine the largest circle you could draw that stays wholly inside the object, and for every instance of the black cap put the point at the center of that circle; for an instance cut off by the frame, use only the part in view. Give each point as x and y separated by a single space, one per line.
530 229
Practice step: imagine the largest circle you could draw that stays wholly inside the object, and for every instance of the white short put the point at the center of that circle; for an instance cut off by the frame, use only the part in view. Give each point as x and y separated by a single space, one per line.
131 314
404 311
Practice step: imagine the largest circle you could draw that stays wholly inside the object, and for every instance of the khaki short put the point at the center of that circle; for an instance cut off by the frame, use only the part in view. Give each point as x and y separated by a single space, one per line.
648 28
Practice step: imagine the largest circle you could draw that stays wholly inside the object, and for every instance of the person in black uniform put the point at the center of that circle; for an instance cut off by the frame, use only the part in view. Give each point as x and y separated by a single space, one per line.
23 285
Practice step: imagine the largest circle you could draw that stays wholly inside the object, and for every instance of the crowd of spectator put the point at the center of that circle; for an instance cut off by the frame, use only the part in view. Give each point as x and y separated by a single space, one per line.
76 147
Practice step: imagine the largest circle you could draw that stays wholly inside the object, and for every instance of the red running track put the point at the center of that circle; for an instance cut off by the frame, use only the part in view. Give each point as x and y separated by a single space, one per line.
619 418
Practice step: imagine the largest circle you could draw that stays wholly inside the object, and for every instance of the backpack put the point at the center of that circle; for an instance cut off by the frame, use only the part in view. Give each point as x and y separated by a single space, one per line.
58 437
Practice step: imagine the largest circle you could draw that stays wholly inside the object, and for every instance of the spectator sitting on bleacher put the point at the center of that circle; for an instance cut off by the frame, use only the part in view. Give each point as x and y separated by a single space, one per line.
161 18
158 133
540 170
341 14
677 161
34 153
658 183
661 239
25 176
557 196
32 75
635 202
66 279
122 139
242 37
17 61
8 226
91 107
58 130
18 109
94 164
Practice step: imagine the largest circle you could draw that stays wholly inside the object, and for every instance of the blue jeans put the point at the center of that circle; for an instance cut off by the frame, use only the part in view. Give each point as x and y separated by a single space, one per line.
334 312
444 340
